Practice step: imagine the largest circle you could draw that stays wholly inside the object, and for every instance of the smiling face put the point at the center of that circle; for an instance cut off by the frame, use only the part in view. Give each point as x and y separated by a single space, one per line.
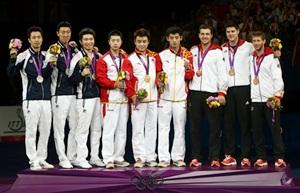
64 34
205 36
141 43
258 43
87 42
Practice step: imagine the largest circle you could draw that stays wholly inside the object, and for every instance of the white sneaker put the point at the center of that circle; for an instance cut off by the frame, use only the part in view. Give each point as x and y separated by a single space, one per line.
163 164
179 163
110 165
83 164
65 164
139 163
151 164
121 164
35 166
97 163
46 165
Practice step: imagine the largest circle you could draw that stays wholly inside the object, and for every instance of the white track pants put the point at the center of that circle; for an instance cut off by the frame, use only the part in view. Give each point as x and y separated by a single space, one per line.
64 108
144 131
115 117
89 116
37 115
166 110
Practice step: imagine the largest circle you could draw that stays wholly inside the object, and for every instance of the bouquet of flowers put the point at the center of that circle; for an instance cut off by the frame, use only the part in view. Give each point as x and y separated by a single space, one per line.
122 75
54 49
15 44
162 78
273 103
84 62
141 95
275 44
213 102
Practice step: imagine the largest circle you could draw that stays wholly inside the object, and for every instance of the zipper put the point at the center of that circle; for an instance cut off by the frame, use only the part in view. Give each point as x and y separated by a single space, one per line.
174 79
42 91
30 84
59 80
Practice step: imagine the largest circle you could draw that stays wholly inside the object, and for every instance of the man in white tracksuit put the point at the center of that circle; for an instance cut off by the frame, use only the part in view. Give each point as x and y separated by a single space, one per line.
177 64
210 79
36 78
144 113
63 97
266 82
114 98
82 72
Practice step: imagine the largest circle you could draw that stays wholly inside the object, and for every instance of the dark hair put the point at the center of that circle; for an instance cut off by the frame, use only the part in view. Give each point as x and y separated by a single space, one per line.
115 33
141 32
232 24
259 34
174 30
206 26
85 31
63 24
34 29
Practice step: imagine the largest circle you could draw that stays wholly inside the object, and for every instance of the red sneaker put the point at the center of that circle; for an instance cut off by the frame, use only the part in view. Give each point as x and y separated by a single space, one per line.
245 162
215 163
261 163
229 161
280 163
195 163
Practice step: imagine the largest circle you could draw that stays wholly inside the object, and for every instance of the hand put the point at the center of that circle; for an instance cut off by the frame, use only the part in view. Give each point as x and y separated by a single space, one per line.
73 44
85 72
13 53
221 99
96 49
277 53
119 84
53 60
133 98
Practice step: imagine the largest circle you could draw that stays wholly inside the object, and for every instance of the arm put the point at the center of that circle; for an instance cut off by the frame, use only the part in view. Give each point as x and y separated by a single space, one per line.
276 73
130 83
75 71
101 75
15 65
189 72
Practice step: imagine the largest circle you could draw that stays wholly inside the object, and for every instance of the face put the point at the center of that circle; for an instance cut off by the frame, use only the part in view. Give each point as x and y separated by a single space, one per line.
205 36
258 42
232 33
87 42
35 39
141 43
115 42
174 40
64 34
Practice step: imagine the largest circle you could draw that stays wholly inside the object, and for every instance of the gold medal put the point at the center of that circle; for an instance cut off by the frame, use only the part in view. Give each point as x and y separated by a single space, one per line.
199 73
256 81
231 72
147 78
39 79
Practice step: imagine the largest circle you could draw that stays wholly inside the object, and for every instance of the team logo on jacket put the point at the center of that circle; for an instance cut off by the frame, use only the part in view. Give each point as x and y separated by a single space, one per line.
153 59
31 61
61 55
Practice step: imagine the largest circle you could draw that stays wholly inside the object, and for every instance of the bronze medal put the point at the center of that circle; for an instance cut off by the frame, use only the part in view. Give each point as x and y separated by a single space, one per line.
199 73
256 81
